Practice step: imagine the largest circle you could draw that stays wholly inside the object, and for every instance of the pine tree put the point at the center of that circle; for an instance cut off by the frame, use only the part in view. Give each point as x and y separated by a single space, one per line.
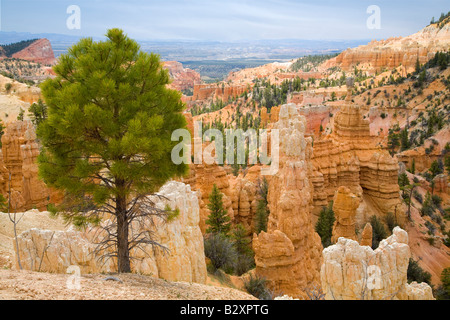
262 210
378 231
413 166
324 225
38 112
218 219
107 138
241 241
261 217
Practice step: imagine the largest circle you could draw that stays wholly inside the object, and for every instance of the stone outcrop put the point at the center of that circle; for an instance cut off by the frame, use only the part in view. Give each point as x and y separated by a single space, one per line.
366 236
40 51
441 183
217 91
354 272
350 157
55 251
19 156
393 52
288 254
182 78
345 204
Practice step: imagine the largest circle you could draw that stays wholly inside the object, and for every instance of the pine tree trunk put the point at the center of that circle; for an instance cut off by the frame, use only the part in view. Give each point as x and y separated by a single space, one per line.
123 254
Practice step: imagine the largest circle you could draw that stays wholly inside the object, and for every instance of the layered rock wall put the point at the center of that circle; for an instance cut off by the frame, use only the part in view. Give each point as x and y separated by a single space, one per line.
19 156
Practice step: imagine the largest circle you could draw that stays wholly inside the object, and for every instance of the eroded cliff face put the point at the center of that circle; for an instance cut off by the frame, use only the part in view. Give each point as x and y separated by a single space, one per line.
350 157
19 157
39 51
354 272
393 52
217 91
288 254
55 251
182 78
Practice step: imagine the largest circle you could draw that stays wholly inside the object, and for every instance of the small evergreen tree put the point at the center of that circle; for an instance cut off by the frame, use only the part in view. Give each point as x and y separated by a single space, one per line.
21 114
416 273
378 231
218 219
38 112
324 225
436 168
262 210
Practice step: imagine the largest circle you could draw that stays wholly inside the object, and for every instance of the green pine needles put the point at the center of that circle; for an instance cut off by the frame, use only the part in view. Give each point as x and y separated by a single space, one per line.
218 219
107 136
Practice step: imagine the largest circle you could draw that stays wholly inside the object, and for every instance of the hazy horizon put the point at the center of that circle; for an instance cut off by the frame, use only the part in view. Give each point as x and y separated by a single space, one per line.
231 21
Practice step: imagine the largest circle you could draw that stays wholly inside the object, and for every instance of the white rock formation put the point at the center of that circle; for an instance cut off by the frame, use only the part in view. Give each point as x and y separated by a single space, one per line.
353 272
55 251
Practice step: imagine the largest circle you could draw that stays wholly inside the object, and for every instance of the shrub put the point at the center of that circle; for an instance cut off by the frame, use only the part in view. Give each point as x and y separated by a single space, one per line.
221 251
431 227
245 259
418 196
8 87
256 286
378 231
391 221
416 273
443 292
436 200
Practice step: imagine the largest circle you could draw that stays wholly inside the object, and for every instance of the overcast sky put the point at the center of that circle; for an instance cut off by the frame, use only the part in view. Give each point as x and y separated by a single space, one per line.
225 20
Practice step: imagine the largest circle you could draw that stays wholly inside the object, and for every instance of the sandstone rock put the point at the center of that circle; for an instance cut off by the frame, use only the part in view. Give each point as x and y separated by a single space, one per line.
20 151
441 183
216 91
344 206
366 236
354 272
349 157
393 52
288 255
39 51
182 78
55 251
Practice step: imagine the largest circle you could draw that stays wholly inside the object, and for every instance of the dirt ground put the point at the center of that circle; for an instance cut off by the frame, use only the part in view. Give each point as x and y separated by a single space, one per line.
28 285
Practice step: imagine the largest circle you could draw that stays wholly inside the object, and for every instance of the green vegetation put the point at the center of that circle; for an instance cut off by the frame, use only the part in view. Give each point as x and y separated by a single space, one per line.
21 114
12 48
109 109
257 287
38 112
242 243
218 219
262 210
324 225
171 214
378 231
8 87
391 221
443 292
416 273
221 252
309 63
